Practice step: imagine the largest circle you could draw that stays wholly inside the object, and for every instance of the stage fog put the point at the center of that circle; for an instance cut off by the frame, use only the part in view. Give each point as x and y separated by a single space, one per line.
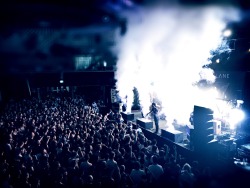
164 54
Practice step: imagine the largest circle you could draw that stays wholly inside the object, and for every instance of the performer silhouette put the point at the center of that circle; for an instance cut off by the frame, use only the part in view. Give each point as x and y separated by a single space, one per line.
154 112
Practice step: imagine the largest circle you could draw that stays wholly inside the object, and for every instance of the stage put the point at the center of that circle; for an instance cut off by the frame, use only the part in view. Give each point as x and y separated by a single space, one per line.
165 136
217 149
176 133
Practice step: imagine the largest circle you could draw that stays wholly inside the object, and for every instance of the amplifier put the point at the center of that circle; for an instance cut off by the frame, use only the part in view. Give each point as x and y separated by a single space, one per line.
173 135
127 116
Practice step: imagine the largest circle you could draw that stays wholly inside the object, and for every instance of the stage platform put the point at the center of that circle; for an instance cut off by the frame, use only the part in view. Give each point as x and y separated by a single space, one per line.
145 123
183 148
173 135
138 115
128 116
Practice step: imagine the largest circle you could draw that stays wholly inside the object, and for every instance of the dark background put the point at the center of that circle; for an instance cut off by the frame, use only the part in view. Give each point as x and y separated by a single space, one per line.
39 41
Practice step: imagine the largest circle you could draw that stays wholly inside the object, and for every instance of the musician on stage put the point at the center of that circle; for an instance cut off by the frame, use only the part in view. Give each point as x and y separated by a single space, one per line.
154 111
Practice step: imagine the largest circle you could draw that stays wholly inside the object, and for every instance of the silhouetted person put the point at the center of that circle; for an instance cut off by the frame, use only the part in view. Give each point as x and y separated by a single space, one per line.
154 112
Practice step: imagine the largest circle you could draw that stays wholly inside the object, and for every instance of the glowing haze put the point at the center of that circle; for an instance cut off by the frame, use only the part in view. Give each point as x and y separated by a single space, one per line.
162 55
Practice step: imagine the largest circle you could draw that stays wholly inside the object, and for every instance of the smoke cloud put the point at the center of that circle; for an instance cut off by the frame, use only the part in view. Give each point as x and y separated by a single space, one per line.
163 54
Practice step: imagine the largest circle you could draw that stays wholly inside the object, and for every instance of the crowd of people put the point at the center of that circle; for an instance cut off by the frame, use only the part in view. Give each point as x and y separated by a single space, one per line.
64 142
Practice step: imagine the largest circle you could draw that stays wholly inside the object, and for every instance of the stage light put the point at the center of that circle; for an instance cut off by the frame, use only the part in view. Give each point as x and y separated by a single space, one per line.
105 64
217 61
239 114
213 93
227 33
236 116
240 101
61 78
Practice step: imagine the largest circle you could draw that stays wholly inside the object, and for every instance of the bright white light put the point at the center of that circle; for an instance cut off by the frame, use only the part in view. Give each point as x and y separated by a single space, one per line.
240 101
104 63
61 81
227 33
236 116
169 46
217 60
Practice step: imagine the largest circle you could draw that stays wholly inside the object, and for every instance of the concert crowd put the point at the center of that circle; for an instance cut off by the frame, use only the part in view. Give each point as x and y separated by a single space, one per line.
65 142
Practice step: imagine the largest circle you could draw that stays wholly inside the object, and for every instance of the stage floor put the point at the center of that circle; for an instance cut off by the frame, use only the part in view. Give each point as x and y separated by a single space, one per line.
162 123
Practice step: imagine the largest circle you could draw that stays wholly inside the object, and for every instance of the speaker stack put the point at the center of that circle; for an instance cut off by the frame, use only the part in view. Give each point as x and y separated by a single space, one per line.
203 132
